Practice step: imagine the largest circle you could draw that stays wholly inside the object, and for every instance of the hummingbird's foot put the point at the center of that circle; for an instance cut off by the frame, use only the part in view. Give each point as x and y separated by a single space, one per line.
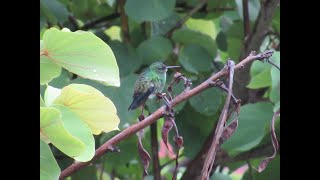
161 95
168 113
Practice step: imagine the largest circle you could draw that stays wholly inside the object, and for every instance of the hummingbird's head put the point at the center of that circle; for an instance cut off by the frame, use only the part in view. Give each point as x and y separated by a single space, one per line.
159 67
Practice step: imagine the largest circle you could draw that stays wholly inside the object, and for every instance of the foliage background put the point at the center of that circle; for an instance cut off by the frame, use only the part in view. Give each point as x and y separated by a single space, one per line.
136 31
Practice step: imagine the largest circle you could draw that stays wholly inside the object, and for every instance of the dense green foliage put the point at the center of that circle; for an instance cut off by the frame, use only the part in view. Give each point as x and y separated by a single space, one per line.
88 69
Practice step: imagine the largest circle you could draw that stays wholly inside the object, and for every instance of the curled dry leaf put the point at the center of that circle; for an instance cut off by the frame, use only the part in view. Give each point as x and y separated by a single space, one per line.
275 144
231 128
167 126
144 155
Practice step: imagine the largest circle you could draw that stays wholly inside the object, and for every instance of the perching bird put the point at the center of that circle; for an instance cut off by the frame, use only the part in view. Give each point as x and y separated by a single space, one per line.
151 81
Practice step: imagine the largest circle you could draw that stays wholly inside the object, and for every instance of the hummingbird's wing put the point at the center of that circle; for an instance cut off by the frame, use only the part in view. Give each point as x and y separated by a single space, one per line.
140 98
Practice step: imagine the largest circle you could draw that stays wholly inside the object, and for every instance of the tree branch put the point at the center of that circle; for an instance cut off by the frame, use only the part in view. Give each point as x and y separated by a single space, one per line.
124 22
186 17
220 126
155 150
158 113
246 19
93 23
253 43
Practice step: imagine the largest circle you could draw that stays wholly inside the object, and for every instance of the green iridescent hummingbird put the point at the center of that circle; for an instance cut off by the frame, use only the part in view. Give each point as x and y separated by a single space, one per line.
151 81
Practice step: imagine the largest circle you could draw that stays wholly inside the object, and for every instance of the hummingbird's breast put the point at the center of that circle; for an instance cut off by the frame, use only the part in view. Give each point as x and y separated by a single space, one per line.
159 82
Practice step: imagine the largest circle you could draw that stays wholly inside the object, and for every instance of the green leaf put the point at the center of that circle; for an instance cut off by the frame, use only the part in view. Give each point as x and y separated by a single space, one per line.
203 26
42 104
194 128
151 10
51 94
275 78
53 129
253 119
114 32
225 23
195 59
49 168
155 49
48 70
220 176
187 36
260 75
93 108
62 80
234 34
253 8
78 129
222 41
89 9
271 172
82 53
87 173
54 11
161 27
127 58
276 19
207 102
121 102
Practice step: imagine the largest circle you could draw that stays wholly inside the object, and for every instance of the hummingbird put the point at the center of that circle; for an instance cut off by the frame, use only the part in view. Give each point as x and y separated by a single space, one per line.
150 81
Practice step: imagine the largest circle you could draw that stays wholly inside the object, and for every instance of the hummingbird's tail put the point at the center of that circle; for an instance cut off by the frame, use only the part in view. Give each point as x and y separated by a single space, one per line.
140 98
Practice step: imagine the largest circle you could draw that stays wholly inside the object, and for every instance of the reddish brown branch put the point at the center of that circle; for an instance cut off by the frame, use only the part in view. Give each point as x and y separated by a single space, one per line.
158 114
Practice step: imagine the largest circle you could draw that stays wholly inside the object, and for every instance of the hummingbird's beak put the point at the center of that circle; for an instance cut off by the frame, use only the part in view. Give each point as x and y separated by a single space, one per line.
168 67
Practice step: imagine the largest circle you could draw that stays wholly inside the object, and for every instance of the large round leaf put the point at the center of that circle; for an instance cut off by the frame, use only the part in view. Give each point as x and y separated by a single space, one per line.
48 69
161 27
80 130
207 102
187 36
49 168
96 110
127 58
54 11
51 94
203 26
53 129
253 119
195 59
121 102
150 10
155 49
260 75
82 53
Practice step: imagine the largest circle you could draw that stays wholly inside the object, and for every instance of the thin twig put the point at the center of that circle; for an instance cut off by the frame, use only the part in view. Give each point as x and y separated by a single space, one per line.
158 114
154 153
250 170
170 161
273 64
220 126
92 24
186 17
